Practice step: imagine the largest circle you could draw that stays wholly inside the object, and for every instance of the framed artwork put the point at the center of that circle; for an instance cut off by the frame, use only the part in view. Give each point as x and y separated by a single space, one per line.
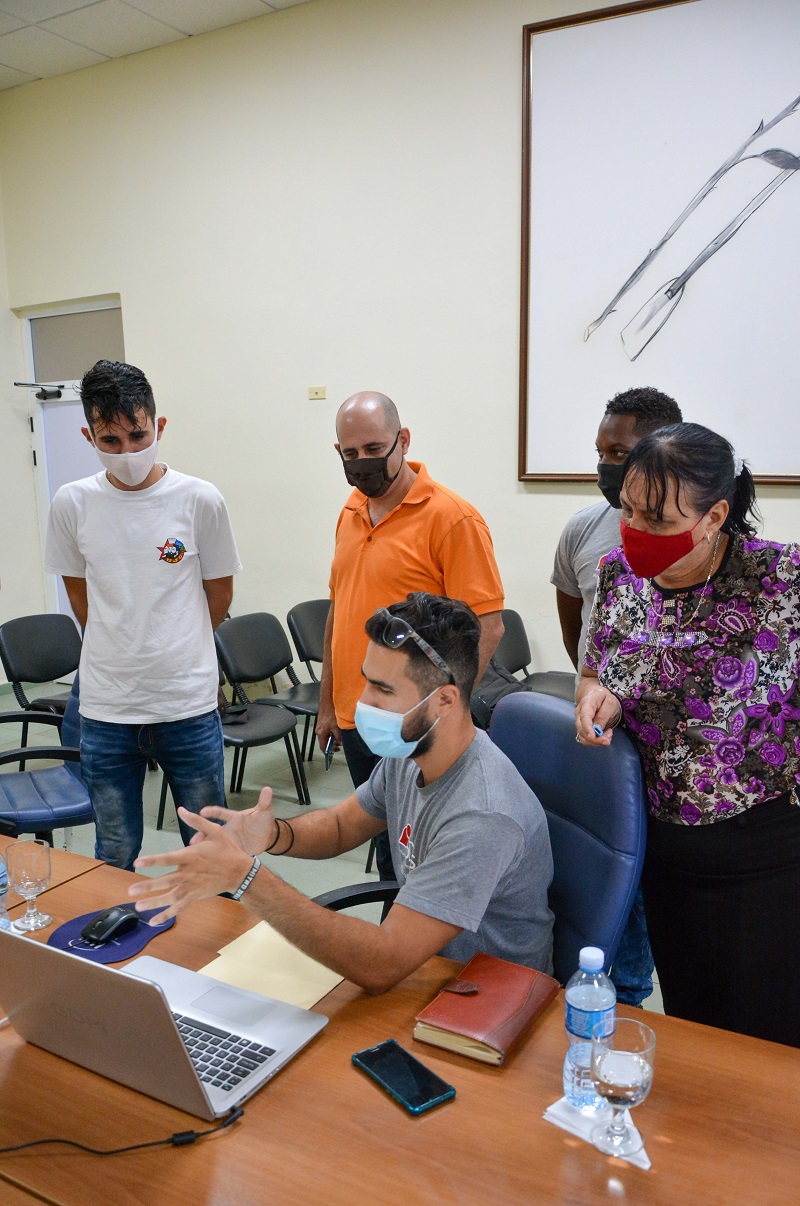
660 205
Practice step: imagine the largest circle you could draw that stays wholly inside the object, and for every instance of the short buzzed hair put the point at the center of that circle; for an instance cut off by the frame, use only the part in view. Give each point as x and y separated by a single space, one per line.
649 406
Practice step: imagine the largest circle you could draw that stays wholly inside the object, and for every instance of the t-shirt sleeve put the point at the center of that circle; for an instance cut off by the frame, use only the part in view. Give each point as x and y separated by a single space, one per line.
563 576
474 848
372 794
62 555
469 567
219 557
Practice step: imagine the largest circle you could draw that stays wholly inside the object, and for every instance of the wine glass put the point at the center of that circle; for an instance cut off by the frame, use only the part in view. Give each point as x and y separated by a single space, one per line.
622 1073
28 875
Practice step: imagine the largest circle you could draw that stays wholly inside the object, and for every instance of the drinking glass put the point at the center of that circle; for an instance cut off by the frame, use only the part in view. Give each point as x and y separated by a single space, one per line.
28 875
622 1073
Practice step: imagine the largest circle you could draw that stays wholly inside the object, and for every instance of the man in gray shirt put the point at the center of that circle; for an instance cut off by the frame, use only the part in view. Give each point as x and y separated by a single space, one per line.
588 536
594 531
468 836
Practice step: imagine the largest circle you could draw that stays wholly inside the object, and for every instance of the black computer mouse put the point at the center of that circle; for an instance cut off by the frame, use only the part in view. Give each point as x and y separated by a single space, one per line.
110 923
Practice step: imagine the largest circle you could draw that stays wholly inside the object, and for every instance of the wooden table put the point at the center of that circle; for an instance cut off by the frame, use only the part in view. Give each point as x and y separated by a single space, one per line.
721 1123
64 866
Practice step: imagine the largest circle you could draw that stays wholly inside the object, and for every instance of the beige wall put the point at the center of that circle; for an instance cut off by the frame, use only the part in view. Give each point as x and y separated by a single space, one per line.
325 196
21 576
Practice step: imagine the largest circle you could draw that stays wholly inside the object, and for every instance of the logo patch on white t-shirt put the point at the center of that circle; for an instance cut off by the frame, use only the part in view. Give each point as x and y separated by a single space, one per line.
171 551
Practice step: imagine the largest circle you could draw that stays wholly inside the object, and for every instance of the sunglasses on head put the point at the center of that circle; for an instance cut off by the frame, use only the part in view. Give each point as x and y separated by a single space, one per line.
398 631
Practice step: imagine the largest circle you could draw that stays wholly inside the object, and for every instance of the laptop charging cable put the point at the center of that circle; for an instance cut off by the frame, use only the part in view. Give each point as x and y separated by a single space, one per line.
179 1139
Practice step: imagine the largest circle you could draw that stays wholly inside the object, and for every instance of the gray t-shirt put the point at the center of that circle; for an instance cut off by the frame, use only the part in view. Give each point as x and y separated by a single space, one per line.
588 536
472 849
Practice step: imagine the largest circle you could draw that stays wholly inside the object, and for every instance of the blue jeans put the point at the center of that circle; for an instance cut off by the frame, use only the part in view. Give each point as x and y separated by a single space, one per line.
114 761
632 969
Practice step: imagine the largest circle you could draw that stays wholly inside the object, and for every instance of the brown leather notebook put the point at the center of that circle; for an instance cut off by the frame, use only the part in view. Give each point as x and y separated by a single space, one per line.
485 1010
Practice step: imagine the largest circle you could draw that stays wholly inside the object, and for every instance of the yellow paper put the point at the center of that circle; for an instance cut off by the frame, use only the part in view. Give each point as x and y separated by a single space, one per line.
262 960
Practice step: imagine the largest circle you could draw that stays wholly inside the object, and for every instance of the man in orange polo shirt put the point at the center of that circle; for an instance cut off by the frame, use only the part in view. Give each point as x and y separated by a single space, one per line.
398 532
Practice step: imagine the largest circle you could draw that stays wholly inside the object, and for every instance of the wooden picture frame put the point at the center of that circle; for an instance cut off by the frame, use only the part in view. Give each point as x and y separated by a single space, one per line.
627 167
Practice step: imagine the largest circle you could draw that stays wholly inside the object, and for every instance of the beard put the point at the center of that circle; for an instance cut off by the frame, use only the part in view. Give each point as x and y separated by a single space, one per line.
418 730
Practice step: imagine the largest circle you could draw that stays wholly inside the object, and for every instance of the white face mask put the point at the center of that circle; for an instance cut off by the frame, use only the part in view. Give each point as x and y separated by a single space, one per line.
130 468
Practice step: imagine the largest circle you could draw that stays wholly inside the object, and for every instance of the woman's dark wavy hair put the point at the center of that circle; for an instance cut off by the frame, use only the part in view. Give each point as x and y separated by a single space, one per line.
701 463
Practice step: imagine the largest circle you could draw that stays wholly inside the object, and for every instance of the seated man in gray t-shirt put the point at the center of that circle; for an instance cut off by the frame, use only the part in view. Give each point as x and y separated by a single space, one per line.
468 835
471 848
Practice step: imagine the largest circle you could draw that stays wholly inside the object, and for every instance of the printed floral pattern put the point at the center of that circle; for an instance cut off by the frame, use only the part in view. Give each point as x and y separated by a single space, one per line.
716 721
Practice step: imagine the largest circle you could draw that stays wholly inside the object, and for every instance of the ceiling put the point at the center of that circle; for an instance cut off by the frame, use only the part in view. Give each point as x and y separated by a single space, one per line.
40 38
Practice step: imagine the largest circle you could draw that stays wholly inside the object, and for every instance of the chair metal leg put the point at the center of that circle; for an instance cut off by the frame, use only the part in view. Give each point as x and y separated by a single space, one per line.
24 742
371 855
305 738
45 835
304 796
234 768
298 789
313 738
162 802
242 760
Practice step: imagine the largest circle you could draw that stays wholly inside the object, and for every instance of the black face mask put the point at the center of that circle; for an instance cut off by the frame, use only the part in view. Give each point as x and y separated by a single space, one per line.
369 473
609 482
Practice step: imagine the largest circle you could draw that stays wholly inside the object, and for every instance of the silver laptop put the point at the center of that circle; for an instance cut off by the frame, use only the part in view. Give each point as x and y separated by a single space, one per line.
174 1034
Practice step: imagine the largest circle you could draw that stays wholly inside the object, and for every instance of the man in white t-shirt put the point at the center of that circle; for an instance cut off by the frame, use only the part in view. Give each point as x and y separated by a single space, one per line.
147 555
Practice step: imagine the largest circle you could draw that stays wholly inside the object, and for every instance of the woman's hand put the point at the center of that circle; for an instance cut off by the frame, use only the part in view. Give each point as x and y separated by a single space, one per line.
596 706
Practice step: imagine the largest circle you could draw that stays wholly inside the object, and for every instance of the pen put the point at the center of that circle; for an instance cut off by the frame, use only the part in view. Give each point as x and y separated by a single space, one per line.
597 730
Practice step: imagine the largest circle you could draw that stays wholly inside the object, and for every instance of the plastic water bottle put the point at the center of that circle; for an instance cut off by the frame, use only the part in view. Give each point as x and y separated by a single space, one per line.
591 1001
5 923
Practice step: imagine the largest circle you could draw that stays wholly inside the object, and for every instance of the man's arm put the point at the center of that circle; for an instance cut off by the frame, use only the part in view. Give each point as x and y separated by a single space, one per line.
491 631
374 957
569 614
76 593
219 595
326 725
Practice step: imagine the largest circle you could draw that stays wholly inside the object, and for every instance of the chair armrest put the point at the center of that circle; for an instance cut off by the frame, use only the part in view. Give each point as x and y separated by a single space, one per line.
374 892
31 718
33 753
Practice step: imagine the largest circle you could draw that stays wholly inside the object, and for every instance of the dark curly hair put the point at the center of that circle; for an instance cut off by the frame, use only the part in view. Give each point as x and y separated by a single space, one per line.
450 627
702 465
651 408
110 390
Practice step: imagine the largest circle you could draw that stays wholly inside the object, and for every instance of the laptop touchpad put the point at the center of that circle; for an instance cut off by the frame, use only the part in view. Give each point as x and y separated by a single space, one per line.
233 1006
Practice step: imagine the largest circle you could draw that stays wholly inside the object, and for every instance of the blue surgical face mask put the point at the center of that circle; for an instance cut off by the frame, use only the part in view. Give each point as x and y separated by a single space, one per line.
382 730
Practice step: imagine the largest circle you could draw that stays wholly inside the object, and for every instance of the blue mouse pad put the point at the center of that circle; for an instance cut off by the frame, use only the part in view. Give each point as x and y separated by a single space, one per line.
68 938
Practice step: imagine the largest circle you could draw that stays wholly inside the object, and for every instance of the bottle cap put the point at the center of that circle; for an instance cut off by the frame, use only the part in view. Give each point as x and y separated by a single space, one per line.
591 958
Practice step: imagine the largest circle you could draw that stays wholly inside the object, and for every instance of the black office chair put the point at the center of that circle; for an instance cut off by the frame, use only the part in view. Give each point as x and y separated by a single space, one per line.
48 798
39 649
306 623
253 649
596 814
514 653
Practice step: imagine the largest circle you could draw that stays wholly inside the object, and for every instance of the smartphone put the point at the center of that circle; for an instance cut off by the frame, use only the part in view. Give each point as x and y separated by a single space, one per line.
330 749
402 1075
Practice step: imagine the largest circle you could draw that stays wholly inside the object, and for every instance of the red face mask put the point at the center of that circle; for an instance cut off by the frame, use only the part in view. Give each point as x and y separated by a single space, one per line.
649 554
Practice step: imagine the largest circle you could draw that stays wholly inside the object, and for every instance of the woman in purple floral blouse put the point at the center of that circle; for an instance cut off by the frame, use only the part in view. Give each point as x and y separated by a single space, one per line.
694 646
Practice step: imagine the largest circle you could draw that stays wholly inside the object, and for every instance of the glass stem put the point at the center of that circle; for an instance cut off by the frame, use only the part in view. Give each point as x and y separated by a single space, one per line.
31 909
617 1126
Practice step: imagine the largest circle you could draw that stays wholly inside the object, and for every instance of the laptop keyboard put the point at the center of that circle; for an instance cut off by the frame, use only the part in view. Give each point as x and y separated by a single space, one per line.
221 1059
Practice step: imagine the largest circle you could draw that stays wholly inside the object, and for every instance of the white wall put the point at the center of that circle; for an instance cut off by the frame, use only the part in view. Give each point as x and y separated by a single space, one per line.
324 196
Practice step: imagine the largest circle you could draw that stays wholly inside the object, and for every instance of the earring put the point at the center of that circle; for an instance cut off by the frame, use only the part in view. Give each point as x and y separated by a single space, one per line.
708 538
